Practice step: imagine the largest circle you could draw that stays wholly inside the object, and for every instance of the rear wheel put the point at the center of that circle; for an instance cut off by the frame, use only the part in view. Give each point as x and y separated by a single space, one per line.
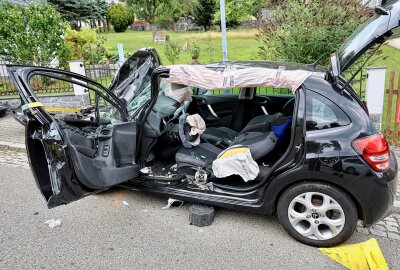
317 214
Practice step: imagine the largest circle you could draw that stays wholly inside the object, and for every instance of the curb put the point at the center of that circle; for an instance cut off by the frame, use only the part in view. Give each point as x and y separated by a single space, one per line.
19 147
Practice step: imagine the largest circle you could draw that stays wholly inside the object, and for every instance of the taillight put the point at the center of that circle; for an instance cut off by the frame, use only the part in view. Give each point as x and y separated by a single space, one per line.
375 151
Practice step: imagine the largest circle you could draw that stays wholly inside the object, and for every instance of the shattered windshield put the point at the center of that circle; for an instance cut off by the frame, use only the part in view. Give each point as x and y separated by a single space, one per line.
129 67
145 95
140 99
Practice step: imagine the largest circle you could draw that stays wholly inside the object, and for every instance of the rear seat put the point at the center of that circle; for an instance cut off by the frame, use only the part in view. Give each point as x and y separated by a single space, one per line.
223 136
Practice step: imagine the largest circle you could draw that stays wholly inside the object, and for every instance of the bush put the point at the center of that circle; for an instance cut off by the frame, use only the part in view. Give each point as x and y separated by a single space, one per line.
195 51
303 32
34 33
83 45
172 51
120 17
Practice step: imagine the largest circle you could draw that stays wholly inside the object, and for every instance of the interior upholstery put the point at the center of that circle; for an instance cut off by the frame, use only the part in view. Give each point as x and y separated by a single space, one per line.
200 156
225 136
260 144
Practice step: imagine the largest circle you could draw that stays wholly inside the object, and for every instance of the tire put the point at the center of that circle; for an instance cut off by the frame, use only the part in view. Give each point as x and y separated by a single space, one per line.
322 215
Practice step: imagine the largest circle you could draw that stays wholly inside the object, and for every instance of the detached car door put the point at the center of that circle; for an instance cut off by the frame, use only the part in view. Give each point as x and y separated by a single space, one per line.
71 160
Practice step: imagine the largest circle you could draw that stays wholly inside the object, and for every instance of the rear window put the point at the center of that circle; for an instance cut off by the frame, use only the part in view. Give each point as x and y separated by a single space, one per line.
321 113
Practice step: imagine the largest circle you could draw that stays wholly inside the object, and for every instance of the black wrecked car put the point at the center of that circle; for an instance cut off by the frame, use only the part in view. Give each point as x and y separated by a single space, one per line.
312 156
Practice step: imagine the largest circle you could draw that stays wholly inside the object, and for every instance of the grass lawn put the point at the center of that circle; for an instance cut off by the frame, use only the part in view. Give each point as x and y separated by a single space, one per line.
242 44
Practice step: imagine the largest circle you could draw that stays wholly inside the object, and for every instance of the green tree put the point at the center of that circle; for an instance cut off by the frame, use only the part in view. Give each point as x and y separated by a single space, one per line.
33 33
146 9
303 32
204 13
254 8
235 12
120 17
169 12
75 11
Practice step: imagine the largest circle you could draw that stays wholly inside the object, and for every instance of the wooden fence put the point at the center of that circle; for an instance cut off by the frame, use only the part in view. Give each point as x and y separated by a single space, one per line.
391 128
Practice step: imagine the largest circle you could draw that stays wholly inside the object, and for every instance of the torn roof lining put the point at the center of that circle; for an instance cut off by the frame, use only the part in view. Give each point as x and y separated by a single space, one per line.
234 76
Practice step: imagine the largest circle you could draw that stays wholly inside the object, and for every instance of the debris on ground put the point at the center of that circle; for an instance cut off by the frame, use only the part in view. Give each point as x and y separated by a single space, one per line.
201 215
146 170
173 203
125 203
53 223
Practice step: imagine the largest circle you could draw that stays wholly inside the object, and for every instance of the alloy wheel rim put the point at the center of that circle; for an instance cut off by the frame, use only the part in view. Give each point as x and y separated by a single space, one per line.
316 216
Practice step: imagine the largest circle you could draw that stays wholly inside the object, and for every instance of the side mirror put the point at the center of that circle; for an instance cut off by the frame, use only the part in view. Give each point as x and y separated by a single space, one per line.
381 10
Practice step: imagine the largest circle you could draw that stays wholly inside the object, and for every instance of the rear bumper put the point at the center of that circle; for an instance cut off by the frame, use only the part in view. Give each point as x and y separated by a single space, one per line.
380 203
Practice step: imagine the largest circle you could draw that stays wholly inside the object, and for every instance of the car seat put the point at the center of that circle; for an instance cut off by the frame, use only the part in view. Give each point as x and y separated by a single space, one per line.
189 160
223 136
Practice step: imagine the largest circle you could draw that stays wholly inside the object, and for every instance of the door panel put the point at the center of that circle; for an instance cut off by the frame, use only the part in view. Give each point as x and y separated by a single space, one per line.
216 110
71 161
271 103
108 159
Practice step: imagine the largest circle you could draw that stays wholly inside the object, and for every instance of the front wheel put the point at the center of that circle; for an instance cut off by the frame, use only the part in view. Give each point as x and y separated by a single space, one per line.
317 214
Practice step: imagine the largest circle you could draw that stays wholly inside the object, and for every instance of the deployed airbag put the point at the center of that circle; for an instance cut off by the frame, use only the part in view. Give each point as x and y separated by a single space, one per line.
236 160
178 92
205 78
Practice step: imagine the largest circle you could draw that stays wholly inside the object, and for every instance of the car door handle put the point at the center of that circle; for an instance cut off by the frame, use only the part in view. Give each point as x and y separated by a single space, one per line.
264 110
212 111
263 103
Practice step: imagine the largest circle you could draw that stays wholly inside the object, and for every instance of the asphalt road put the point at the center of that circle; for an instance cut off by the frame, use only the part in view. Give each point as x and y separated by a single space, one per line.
100 232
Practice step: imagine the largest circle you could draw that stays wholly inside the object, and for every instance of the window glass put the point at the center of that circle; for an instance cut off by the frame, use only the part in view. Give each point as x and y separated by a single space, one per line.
108 114
145 95
200 91
321 113
140 99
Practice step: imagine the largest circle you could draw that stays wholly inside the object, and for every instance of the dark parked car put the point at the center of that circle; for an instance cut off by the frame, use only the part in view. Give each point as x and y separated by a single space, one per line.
286 154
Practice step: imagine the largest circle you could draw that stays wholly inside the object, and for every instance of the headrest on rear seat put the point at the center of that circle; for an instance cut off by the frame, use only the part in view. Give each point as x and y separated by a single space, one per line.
280 127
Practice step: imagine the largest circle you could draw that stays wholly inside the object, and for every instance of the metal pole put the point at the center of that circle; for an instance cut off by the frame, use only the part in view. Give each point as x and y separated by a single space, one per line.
121 54
224 42
223 31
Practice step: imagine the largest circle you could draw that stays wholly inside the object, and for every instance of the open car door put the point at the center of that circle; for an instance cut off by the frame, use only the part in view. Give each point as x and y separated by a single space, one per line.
72 159
373 31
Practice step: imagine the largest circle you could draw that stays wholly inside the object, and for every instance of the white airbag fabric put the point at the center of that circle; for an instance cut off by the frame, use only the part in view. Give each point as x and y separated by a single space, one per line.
198 126
205 78
241 164
178 92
